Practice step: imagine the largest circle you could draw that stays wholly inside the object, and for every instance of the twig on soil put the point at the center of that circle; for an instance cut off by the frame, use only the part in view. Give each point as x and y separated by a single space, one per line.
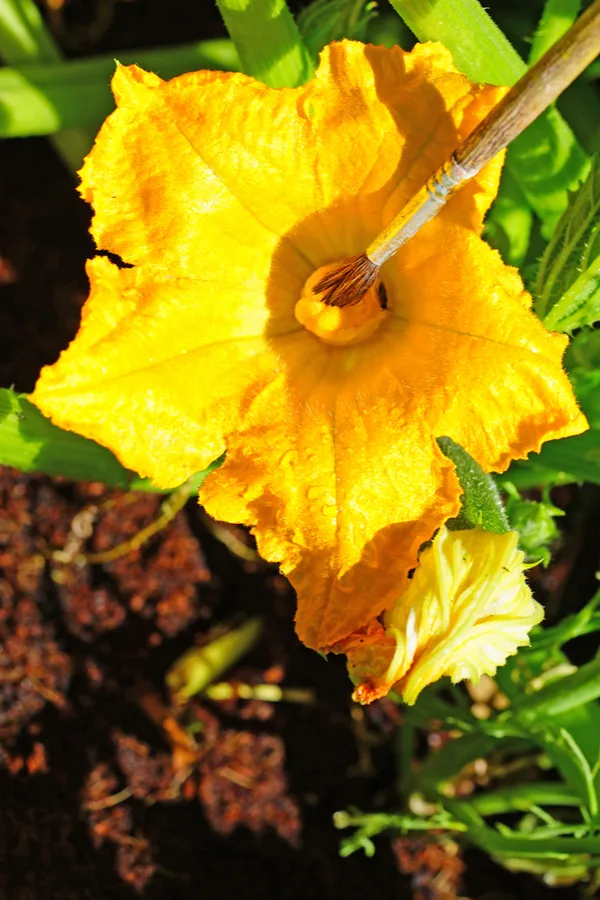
269 693
229 540
82 528
113 800
168 510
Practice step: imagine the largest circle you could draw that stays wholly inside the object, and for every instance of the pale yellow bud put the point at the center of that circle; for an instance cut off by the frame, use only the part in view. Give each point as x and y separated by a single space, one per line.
467 608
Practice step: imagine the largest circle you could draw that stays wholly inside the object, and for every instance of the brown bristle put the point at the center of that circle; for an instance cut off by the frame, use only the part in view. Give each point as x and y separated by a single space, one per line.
349 282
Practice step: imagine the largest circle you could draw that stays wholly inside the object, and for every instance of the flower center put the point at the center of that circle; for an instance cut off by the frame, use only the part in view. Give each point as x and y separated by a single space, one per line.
340 324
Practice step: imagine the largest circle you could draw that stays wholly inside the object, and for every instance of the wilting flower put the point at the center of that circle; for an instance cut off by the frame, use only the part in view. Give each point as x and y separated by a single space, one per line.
467 608
229 201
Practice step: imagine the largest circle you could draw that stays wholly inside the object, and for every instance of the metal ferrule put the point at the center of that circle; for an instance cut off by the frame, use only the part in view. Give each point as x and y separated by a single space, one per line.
446 180
418 211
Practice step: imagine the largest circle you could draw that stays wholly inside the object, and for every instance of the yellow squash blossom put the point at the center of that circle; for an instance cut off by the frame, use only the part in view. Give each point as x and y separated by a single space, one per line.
467 608
228 200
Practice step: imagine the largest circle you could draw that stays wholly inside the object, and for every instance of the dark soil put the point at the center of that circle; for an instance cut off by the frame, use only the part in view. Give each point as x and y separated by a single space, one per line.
102 792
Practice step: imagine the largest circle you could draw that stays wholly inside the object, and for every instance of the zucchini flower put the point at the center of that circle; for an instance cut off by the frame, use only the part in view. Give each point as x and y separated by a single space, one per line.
467 608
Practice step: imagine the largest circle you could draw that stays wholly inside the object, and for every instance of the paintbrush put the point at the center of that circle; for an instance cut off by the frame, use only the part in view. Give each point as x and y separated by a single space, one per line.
531 95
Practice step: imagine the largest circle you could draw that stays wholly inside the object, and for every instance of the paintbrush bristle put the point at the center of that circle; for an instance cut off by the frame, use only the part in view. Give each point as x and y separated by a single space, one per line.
348 282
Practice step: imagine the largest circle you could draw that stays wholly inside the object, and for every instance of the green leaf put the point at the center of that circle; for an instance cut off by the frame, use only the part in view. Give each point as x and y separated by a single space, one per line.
540 844
388 30
572 459
582 362
534 520
268 41
509 222
546 161
31 443
532 474
481 503
438 769
580 106
323 21
548 640
43 99
568 283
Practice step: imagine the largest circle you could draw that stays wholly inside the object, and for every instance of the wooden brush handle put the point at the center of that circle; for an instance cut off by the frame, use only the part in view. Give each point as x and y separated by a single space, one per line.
535 91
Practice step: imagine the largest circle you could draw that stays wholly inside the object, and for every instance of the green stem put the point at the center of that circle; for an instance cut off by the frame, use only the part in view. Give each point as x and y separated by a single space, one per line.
533 845
552 701
557 18
268 41
45 98
546 159
23 35
479 47
522 797
440 768
24 38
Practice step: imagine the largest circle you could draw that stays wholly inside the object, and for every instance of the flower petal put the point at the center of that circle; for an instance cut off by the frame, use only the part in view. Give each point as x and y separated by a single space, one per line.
226 196
153 375
174 184
326 470
492 373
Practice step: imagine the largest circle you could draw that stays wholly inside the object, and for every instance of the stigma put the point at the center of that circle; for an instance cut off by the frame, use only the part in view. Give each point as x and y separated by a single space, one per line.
341 322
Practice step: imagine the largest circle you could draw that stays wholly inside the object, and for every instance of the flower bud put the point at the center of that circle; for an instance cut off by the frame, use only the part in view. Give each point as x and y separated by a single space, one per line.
467 608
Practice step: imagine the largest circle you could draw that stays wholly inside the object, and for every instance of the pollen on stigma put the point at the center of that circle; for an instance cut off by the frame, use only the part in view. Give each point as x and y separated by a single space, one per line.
335 324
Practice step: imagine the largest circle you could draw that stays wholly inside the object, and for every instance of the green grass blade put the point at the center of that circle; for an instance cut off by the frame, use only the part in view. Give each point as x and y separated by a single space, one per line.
268 41
546 160
43 99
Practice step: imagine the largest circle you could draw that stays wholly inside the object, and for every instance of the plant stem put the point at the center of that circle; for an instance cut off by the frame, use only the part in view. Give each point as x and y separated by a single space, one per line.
557 18
267 40
547 153
24 38
46 98
549 703
521 797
